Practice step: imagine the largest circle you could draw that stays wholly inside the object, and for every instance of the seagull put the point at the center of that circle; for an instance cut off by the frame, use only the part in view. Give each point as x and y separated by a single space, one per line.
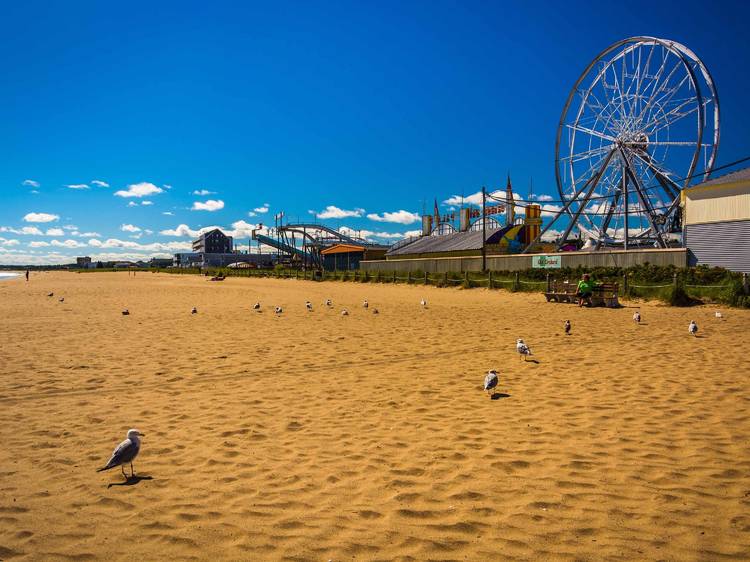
693 328
125 453
637 317
423 303
523 349
329 303
256 306
62 299
365 304
125 312
567 327
375 311
194 311
719 314
278 310
308 304
51 295
490 382
345 312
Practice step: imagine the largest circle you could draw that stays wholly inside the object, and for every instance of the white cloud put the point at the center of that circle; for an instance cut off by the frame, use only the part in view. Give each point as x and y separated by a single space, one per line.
180 230
167 186
153 247
30 230
142 189
550 210
240 229
369 234
400 217
99 183
208 205
168 213
30 183
544 198
203 192
147 203
9 242
70 227
34 191
333 212
148 231
67 244
129 228
262 209
132 204
77 186
38 244
55 232
40 217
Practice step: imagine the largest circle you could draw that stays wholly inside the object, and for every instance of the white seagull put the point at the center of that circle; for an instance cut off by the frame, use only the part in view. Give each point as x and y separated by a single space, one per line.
567 327
365 304
637 317
308 305
194 311
345 312
423 303
51 294
522 349
62 299
125 312
693 328
490 382
719 314
256 306
125 453
329 303
278 310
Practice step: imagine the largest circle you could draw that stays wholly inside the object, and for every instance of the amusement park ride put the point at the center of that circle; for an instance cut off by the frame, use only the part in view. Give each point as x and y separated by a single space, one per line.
639 125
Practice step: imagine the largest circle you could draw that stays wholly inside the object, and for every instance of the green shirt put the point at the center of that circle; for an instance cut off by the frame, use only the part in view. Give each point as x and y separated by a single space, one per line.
586 286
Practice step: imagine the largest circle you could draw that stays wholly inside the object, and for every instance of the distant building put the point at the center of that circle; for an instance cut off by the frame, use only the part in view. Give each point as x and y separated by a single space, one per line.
196 259
716 222
83 262
347 256
213 242
160 262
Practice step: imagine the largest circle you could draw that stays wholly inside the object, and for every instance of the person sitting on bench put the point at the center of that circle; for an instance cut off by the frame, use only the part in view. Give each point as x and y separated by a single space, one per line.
585 290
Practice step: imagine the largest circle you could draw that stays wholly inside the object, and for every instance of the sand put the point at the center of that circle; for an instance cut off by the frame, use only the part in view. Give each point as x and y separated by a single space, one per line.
313 436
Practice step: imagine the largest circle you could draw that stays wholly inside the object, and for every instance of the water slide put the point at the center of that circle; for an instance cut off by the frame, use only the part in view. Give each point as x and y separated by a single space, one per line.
286 248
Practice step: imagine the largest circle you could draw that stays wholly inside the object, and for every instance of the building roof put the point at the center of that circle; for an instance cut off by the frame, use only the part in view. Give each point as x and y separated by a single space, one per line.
456 242
342 249
742 175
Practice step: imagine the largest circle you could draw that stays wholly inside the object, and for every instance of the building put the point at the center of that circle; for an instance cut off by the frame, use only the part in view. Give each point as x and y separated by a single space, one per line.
213 242
83 262
716 222
347 256
160 262
196 259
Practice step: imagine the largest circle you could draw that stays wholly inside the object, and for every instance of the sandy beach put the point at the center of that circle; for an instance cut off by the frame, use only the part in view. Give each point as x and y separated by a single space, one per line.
314 436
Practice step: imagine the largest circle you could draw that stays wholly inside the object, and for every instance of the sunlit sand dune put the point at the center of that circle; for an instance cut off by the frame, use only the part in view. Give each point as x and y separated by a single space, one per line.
317 436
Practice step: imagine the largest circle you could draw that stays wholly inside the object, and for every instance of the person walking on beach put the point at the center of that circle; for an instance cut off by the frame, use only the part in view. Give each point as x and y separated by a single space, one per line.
27 275
585 289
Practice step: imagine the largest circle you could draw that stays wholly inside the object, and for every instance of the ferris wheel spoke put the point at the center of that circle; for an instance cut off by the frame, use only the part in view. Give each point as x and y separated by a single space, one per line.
584 155
656 91
591 132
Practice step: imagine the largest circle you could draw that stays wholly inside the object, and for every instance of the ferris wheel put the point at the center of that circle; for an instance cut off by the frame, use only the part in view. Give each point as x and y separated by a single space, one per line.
637 125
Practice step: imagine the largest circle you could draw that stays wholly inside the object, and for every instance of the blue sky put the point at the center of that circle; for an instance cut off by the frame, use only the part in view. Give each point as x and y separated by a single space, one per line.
370 108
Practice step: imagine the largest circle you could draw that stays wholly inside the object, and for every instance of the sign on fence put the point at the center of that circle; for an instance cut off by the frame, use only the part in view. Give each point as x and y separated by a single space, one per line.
546 262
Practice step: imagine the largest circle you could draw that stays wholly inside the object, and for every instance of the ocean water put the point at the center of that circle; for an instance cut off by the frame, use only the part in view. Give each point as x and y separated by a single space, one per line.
8 275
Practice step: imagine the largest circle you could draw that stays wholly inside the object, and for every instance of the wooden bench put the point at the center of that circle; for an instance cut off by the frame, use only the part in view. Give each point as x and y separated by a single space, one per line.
561 291
604 294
